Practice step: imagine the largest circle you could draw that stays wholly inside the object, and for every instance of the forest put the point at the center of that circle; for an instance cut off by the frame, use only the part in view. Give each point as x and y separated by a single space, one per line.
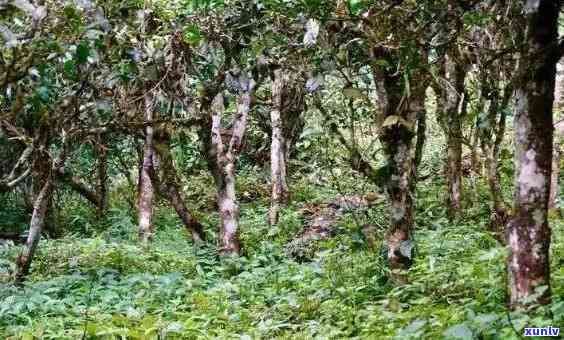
281 169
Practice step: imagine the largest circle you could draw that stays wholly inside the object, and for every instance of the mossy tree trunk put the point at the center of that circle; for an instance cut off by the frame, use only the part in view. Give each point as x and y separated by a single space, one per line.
400 110
528 231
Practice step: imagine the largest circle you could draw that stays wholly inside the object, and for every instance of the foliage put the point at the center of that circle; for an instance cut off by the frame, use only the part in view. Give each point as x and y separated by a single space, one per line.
110 286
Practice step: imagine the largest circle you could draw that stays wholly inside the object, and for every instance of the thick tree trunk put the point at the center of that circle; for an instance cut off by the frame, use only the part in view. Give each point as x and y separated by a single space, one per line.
277 149
398 145
528 231
145 186
228 210
170 189
454 174
399 150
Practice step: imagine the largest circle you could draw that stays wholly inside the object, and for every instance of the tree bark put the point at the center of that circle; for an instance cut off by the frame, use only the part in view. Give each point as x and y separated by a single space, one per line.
555 174
169 188
421 137
558 136
474 159
38 217
223 161
492 132
145 187
75 184
102 176
397 141
455 73
528 231
44 173
277 149
224 175
498 217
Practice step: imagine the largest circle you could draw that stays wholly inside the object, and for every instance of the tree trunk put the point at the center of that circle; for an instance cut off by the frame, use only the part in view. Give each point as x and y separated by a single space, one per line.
498 217
528 231
455 73
277 149
170 189
65 176
145 187
191 224
43 172
555 175
399 150
474 159
38 217
228 210
224 175
421 137
397 141
222 159
102 178
492 132
558 135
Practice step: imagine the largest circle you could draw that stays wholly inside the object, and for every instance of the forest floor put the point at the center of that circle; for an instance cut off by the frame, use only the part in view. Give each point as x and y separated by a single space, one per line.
107 286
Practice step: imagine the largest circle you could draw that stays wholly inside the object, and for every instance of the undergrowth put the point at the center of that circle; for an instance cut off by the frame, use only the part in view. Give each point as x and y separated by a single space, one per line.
107 286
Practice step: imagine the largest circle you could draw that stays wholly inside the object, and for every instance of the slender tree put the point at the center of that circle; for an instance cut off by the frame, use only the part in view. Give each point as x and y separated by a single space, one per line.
145 186
165 179
558 136
451 114
224 160
277 159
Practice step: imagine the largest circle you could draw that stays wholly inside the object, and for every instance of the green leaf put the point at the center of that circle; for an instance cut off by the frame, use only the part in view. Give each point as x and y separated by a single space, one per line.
82 53
407 87
486 319
192 35
414 328
357 6
174 327
459 331
382 63
70 12
69 69
44 93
